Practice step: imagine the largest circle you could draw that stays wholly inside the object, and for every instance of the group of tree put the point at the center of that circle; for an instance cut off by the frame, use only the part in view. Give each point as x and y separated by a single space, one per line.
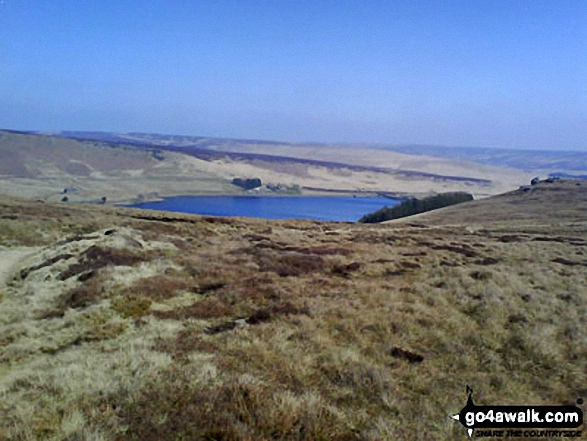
102 199
415 206
247 184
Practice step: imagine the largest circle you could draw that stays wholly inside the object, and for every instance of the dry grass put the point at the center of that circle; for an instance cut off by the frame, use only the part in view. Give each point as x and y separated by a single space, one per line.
253 330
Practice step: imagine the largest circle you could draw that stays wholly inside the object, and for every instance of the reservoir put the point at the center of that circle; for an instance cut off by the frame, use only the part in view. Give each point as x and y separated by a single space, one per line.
324 208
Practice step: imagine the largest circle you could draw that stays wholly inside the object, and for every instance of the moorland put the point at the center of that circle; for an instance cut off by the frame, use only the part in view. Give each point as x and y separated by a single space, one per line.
127 324
88 167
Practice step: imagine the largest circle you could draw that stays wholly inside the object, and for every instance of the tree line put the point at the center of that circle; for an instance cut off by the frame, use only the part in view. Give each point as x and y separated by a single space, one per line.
415 206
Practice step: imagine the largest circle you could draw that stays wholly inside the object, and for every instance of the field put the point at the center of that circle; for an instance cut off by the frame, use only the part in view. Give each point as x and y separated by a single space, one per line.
127 324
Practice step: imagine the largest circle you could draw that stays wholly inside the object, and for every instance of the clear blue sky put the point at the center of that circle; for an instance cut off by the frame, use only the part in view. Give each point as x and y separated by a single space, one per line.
472 72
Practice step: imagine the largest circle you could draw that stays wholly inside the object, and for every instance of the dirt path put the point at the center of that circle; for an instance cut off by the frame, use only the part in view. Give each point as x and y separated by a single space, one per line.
9 260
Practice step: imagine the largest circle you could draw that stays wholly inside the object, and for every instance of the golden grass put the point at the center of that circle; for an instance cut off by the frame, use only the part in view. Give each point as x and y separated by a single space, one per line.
253 330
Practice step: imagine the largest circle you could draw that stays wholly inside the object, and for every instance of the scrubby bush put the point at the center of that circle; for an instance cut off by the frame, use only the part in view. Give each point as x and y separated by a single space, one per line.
416 206
247 184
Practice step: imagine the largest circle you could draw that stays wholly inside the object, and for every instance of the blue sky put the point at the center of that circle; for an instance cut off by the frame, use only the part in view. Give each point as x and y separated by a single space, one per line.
483 73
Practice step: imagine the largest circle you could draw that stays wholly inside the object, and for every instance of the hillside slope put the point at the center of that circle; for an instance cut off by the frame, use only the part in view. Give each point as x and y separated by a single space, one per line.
560 202
327 167
129 324
533 161
41 167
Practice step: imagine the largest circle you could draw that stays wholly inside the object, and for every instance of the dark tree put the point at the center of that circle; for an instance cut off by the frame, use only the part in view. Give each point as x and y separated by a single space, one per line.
247 184
158 155
416 206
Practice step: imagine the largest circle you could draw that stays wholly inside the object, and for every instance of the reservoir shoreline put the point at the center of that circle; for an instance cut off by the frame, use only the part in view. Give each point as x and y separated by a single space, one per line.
316 207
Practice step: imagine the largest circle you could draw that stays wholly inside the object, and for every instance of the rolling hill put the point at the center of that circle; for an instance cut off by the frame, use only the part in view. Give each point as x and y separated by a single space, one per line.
135 167
42 167
534 161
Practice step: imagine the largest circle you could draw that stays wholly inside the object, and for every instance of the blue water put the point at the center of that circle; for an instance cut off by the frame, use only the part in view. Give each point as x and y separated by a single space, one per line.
326 208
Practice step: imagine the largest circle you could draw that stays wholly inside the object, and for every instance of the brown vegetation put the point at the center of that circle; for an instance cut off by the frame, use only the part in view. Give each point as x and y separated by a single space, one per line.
256 330
95 258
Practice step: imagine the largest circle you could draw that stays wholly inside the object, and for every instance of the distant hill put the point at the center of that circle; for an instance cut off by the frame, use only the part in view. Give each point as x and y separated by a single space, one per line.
357 157
161 140
42 167
131 166
546 161
567 176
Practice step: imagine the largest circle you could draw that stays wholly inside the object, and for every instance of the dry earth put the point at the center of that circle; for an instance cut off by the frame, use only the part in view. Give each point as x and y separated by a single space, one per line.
11 259
129 324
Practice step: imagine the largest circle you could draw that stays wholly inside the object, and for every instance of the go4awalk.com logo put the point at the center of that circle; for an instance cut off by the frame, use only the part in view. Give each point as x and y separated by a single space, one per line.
520 421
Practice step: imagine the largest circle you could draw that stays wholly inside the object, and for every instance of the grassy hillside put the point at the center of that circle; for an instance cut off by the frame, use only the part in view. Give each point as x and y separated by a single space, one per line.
317 167
533 161
128 324
41 167
559 202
